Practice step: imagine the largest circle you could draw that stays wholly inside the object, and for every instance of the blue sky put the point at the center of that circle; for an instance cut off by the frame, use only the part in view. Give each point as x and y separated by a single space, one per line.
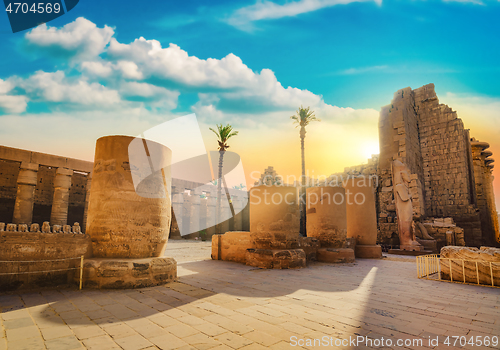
354 55
88 73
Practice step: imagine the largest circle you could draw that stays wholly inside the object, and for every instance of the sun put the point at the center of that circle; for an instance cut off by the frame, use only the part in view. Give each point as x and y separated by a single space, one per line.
369 149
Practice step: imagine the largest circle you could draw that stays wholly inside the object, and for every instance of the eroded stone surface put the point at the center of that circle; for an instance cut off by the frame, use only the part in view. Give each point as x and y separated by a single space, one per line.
37 248
128 273
122 223
276 258
327 216
274 208
336 255
465 258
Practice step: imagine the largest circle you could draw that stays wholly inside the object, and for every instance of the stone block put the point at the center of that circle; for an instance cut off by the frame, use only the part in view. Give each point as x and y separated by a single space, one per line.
368 251
310 246
465 258
336 255
233 246
128 273
276 259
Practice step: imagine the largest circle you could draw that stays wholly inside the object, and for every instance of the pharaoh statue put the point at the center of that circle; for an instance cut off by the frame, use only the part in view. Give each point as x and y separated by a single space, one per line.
404 208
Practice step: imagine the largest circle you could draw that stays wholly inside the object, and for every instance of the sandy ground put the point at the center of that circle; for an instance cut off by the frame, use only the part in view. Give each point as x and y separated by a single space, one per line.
188 250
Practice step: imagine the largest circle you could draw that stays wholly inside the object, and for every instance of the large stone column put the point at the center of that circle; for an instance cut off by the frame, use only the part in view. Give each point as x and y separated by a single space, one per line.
327 216
211 213
274 208
26 183
362 217
203 214
87 200
194 217
124 221
327 222
176 226
238 215
62 183
186 211
225 214
178 206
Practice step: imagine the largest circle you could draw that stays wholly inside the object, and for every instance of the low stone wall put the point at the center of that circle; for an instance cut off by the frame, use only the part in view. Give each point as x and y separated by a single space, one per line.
483 256
22 252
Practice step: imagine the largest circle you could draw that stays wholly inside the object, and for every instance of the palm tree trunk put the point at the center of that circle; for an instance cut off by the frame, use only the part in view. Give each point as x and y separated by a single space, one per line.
219 190
303 187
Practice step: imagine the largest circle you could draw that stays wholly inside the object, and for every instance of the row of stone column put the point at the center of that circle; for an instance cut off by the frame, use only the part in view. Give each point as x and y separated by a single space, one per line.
25 197
198 209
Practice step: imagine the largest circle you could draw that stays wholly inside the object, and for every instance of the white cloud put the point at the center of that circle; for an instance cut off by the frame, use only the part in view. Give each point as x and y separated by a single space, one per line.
129 70
5 86
173 63
80 38
136 74
229 78
101 68
262 10
11 103
160 97
104 69
56 87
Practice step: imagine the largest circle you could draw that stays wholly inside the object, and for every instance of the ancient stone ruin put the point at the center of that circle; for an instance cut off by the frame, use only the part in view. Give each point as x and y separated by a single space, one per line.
35 251
128 224
450 182
273 241
327 222
450 172
342 225
126 231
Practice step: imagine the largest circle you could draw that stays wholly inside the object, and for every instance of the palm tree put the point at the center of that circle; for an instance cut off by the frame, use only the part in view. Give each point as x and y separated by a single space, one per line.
302 118
223 133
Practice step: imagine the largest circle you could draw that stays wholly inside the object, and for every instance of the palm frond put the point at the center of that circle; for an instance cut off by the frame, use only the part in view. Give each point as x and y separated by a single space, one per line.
304 116
224 133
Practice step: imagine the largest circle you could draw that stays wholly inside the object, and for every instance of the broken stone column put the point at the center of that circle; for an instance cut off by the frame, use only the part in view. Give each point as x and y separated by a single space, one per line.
26 183
274 228
362 217
62 184
327 216
327 221
122 223
129 214
273 207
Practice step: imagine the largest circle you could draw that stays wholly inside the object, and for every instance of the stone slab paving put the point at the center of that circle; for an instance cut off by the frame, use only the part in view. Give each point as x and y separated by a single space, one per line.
222 305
